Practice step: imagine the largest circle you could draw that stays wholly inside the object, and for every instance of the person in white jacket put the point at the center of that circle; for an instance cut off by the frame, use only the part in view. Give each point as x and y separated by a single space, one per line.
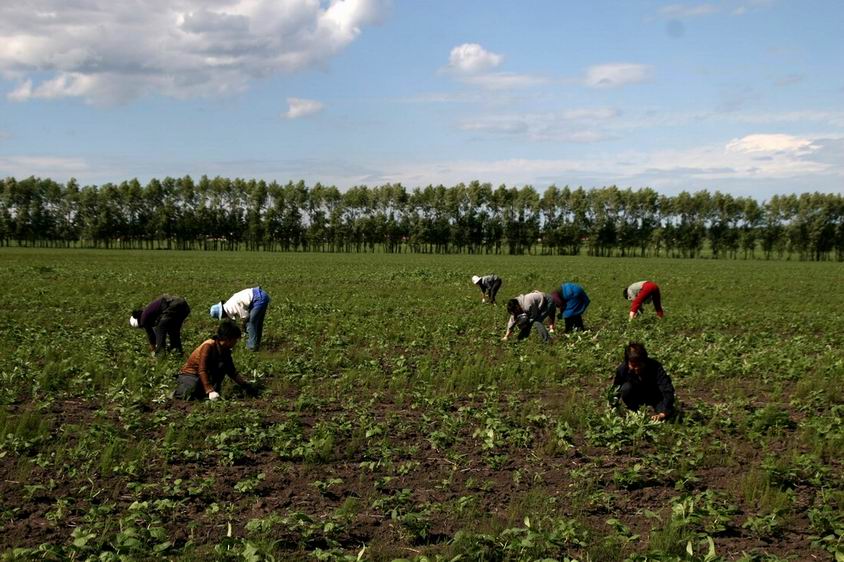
249 306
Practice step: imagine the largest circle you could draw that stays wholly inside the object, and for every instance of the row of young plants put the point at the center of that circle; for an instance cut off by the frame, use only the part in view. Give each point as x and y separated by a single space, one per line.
392 423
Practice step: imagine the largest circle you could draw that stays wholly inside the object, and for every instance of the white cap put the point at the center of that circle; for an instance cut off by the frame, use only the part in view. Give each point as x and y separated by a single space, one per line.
133 321
475 279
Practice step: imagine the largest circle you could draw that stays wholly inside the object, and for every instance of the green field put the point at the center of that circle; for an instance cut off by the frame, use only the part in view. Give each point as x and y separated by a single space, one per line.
393 423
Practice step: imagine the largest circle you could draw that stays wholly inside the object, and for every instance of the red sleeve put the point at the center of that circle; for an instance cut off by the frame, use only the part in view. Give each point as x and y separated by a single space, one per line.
647 288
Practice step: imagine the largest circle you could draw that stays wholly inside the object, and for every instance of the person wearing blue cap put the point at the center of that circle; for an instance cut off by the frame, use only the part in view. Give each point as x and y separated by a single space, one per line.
571 300
249 306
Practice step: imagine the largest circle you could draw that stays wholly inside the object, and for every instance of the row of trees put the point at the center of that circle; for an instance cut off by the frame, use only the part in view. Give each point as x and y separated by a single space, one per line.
222 213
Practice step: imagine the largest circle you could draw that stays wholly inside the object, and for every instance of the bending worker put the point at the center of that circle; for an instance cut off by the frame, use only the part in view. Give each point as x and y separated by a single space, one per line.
489 285
249 306
528 311
572 302
640 380
642 293
162 319
202 375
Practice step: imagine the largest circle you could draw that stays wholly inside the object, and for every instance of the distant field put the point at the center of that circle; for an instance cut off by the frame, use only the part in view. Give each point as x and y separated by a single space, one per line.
393 423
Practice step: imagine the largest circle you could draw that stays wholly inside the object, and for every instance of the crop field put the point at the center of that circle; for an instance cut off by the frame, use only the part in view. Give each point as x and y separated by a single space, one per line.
393 423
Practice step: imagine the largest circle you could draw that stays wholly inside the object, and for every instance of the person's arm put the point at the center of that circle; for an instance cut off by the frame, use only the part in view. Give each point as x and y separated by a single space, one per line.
551 308
233 374
666 388
153 338
620 379
510 323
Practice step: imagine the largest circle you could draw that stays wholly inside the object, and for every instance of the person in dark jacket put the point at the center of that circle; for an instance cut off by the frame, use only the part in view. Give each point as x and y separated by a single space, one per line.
162 319
640 381
202 374
489 286
571 300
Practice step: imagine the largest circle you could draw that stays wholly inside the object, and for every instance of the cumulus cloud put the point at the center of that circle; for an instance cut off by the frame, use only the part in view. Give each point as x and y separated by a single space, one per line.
472 64
770 143
299 107
471 58
615 75
106 51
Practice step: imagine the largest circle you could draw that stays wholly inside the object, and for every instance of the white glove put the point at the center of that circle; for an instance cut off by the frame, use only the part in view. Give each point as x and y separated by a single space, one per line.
550 330
213 395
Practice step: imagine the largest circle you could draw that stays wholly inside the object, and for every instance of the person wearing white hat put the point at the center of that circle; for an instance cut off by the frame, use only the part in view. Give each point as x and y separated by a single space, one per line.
249 306
162 319
489 286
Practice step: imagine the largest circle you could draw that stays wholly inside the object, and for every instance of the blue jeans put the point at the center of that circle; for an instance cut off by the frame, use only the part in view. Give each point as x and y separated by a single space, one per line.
255 322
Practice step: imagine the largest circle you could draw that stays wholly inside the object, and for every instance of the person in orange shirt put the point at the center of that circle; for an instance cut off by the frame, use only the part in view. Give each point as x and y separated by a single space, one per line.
202 375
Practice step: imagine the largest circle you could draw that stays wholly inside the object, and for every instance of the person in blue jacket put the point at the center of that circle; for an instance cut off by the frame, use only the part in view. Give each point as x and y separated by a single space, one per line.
571 300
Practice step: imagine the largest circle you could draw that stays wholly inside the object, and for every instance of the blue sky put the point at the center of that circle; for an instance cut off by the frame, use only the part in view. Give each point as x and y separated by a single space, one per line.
741 96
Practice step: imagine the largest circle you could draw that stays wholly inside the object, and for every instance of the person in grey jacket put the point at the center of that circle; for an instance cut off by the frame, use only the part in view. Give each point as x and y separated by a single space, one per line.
530 311
489 286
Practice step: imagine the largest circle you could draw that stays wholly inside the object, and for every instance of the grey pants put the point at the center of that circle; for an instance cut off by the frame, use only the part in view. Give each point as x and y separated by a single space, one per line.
188 387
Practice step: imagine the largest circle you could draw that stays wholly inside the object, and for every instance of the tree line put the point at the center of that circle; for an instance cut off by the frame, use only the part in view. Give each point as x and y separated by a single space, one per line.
229 214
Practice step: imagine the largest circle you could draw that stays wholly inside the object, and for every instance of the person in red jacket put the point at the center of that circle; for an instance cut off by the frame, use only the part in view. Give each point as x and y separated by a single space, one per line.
641 293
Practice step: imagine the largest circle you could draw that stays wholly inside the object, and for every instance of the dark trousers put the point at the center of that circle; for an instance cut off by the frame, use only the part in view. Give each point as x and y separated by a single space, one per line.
574 323
170 327
637 395
539 323
493 290
188 387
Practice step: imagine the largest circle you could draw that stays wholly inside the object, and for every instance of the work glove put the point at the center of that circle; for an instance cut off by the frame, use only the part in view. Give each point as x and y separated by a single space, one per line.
213 395
250 390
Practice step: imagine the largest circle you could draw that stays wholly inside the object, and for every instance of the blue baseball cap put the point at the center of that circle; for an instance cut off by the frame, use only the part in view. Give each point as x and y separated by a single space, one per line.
217 311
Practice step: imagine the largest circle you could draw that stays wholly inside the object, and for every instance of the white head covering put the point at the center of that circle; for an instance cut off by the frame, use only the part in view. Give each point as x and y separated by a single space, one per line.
133 321
475 279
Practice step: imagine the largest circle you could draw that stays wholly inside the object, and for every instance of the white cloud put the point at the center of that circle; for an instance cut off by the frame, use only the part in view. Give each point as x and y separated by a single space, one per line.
471 58
711 166
471 64
299 107
616 75
504 80
584 125
106 51
770 143
56 167
684 11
